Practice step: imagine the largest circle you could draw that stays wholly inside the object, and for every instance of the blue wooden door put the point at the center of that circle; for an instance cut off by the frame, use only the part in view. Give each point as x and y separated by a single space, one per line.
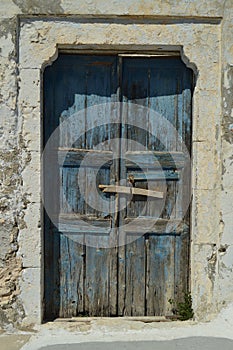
154 267
144 268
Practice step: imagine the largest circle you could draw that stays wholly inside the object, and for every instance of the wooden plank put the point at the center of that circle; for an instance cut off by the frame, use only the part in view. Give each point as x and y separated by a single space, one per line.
182 243
100 297
70 95
163 100
73 223
51 271
153 225
131 190
155 160
135 278
122 200
70 196
160 274
75 157
169 210
71 276
155 207
148 193
79 227
97 278
135 91
155 175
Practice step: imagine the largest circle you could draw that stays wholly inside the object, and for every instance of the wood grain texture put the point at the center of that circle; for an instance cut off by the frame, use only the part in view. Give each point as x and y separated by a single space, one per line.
130 190
164 87
155 175
156 159
160 274
71 277
150 261
135 278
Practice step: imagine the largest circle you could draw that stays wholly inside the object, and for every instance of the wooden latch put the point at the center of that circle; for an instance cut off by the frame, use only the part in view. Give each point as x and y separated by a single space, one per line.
131 190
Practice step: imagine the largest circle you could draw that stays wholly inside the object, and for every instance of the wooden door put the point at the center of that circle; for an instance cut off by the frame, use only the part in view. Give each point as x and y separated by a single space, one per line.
143 268
154 267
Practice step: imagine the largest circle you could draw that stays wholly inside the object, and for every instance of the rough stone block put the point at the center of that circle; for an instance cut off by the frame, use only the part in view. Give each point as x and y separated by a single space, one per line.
206 166
31 128
206 217
29 88
30 284
204 275
30 237
31 176
206 116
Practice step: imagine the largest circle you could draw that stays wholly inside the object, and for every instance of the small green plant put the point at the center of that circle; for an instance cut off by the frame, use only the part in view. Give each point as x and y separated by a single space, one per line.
184 309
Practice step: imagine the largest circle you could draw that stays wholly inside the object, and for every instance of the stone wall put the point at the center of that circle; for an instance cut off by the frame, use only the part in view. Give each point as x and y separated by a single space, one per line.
27 41
225 258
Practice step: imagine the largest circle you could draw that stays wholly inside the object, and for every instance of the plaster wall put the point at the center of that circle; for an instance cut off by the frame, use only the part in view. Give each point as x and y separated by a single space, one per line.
31 34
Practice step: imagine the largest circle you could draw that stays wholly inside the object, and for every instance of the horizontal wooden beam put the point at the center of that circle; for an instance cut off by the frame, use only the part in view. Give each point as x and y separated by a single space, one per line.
74 223
154 226
154 160
169 175
131 190
73 157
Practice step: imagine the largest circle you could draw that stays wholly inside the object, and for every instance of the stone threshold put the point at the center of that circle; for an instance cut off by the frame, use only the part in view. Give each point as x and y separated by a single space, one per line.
145 319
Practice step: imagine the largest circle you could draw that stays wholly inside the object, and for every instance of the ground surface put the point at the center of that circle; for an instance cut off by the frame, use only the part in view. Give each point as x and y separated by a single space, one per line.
125 334
196 343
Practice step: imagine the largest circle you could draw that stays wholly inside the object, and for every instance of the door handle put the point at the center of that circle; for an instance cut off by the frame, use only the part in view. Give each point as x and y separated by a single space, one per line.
130 190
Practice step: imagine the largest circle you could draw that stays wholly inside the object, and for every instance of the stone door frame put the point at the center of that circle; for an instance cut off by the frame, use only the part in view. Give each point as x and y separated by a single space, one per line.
198 43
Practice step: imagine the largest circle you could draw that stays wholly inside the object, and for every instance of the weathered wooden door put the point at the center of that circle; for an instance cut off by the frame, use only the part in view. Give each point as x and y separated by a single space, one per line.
144 263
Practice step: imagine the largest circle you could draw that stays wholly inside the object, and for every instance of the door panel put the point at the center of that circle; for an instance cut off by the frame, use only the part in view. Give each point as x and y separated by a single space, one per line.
164 86
160 273
135 270
149 264
85 279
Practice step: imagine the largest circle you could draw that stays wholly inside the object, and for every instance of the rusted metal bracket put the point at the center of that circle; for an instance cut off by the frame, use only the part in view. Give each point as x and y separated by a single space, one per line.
131 190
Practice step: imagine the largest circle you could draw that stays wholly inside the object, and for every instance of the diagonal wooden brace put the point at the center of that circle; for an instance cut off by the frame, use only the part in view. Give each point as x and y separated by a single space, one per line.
131 190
